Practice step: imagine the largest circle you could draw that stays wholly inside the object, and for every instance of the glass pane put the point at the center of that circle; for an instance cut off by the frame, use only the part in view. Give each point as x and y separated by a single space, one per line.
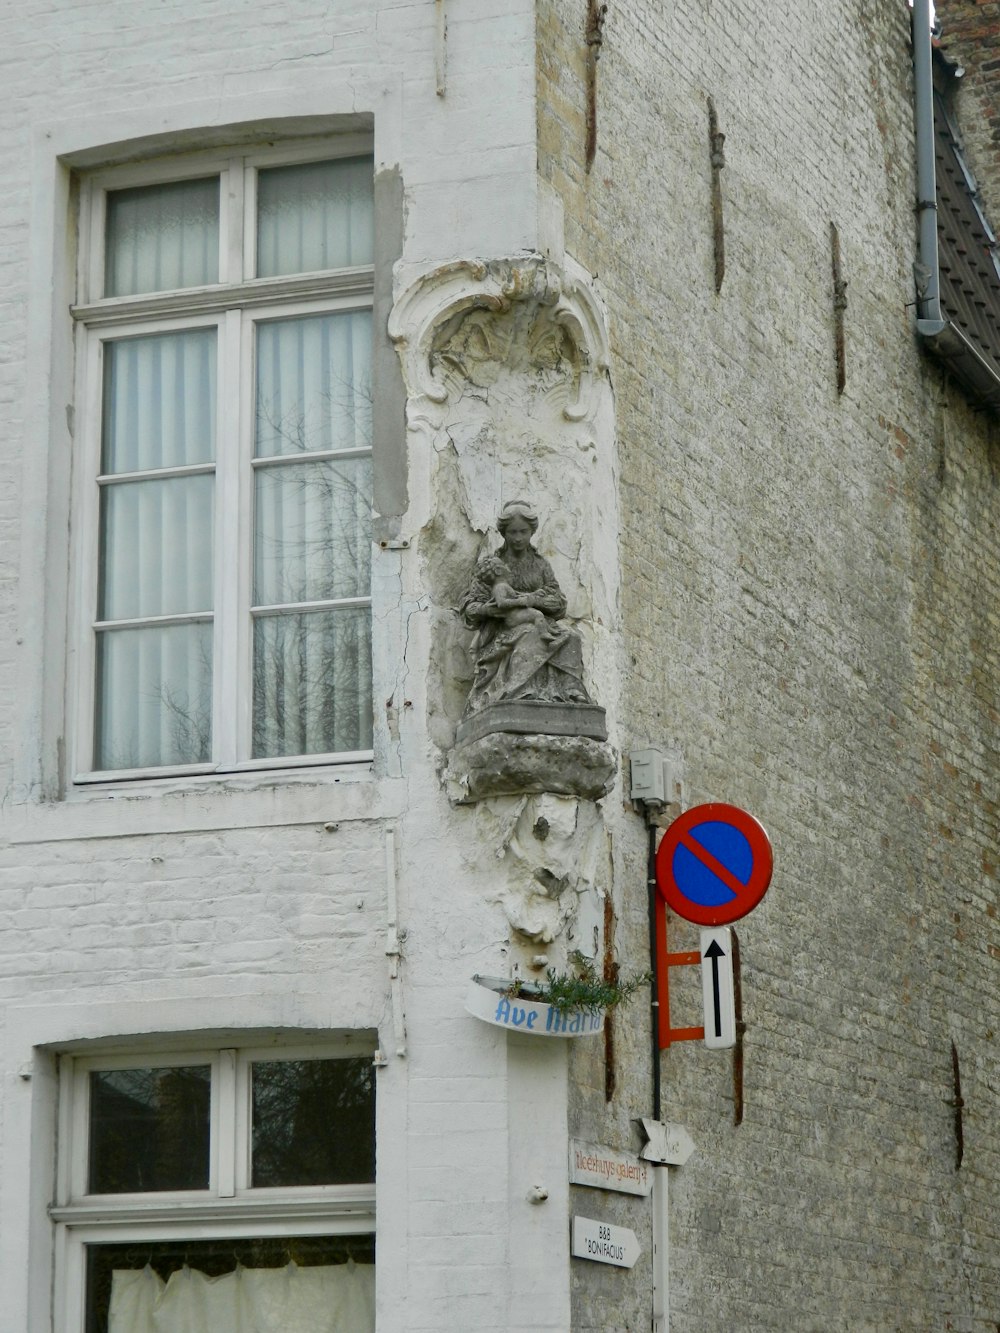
156 547
313 1122
149 1129
314 384
312 683
159 401
312 531
162 237
154 696
233 1283
315 216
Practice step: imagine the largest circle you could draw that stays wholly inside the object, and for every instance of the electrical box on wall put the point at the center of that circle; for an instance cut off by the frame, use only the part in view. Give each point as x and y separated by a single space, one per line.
655 779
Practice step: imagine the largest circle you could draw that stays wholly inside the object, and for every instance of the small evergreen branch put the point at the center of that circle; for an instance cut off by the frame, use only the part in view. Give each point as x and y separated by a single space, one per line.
583 988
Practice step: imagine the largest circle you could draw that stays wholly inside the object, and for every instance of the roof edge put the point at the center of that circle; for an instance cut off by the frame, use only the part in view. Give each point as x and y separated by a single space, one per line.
948 343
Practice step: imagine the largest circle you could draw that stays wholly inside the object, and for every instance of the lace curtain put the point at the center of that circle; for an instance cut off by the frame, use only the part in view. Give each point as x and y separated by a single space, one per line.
335 1298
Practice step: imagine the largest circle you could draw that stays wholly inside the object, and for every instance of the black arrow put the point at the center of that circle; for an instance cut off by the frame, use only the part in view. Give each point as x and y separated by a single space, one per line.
715 951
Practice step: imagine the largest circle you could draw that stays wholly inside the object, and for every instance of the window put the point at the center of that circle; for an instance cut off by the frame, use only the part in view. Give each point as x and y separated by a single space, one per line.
229 1190
224 477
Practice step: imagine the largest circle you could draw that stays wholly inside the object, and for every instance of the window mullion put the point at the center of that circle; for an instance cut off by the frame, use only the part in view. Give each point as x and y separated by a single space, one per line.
242 1124
223 1135
72 1118
246 434
249 179
88 430
91 268
233 264
229 539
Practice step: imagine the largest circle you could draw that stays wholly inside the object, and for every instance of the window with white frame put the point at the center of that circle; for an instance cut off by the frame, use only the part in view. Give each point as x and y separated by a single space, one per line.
218 1191
224 473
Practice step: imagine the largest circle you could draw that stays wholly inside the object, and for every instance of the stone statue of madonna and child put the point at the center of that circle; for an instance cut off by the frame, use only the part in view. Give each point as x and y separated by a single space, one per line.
528 666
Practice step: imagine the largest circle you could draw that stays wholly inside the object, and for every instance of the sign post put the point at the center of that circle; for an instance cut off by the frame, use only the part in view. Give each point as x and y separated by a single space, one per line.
668 1145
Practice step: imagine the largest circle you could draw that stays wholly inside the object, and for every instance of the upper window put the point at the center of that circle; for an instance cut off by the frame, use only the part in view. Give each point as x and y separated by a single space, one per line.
226 1189
225 470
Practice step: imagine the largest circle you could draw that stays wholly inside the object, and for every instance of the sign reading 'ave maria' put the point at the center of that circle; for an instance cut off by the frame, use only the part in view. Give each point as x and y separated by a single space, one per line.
604 1243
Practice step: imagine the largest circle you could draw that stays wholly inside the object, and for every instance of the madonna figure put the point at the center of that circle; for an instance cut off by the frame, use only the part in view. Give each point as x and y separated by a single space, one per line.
514 603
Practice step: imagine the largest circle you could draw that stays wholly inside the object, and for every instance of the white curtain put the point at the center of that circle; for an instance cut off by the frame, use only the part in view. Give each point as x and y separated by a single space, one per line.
159 401
162 237
312 683
319 215
312 535
154 683
314 384
336 1298
154 696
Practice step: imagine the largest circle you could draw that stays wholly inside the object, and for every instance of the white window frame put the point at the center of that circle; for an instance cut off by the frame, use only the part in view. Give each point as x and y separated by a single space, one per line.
229 1209
233 306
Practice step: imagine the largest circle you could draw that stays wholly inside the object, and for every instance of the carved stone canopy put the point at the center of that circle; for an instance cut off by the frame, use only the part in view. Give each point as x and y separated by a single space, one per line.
554 304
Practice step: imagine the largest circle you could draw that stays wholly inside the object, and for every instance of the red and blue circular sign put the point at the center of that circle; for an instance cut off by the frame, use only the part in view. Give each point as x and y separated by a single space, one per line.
714 864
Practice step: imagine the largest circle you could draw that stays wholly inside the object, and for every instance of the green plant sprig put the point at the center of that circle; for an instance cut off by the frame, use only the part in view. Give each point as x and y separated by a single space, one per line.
585 989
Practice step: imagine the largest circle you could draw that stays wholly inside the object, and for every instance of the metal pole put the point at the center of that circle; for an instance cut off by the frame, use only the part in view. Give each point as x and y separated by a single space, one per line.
661 1249
661 1243
654 985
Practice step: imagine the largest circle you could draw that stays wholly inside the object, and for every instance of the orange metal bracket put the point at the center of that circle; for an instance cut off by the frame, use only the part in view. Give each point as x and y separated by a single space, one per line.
664 962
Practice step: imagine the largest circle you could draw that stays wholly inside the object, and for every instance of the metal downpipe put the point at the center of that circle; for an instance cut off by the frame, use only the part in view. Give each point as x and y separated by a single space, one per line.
928 271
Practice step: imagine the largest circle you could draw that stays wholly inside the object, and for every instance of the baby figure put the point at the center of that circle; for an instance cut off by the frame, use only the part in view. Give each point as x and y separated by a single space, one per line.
494 572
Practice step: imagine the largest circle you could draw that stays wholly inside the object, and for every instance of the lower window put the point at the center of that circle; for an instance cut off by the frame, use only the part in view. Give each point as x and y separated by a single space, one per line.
226 1191
276 1285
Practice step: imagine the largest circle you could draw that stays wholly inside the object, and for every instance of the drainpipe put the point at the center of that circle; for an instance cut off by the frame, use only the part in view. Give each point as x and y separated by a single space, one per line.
928 271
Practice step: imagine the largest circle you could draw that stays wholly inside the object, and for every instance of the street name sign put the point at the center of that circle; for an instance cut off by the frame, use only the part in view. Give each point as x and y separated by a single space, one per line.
714 864
603 1243
717 988
608 1169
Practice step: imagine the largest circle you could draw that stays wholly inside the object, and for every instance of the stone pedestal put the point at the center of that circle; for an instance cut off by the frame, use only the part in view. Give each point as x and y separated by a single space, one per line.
527 717
508 763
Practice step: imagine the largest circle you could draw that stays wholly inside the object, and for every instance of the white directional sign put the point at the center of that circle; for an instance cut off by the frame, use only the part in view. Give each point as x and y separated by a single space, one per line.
608 1169
604 1243
670 1144
717 988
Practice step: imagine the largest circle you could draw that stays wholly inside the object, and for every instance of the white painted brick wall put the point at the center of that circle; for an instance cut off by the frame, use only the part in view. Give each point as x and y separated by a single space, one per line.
230 905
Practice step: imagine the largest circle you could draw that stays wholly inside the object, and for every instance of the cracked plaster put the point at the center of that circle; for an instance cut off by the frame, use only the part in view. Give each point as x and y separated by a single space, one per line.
554 857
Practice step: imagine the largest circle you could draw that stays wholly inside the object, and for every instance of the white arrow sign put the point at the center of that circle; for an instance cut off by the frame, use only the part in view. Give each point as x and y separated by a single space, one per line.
670 1144
604 1243
717 988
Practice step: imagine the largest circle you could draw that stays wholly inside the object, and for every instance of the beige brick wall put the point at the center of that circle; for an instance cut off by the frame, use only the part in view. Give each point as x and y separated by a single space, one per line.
810 584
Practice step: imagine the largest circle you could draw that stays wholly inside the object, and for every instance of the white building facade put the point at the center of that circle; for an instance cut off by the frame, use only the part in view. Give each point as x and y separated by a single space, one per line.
294 300
234 873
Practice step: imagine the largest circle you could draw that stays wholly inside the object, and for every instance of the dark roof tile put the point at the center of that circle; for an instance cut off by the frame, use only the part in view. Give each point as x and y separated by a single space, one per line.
970 287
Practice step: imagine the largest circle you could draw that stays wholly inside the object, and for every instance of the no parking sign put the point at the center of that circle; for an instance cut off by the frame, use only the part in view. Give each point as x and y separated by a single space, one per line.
714 864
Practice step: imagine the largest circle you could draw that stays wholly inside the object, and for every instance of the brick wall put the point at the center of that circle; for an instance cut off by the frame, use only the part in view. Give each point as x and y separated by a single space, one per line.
809 592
